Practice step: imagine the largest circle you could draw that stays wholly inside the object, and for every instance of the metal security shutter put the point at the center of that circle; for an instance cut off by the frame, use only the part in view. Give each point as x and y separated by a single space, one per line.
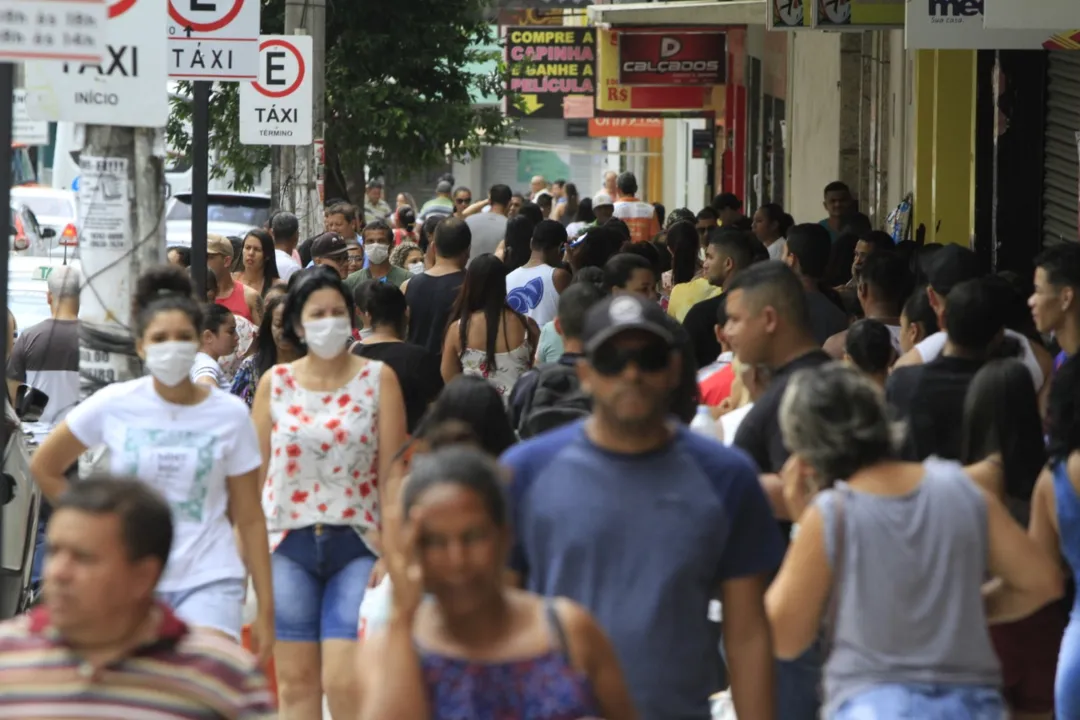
500 164
1061 186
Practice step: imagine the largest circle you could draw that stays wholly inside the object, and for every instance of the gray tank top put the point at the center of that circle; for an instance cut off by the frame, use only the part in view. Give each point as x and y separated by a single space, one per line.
910 606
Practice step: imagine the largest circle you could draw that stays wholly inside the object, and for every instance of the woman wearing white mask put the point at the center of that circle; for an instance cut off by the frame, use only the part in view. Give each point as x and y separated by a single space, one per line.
193 443
329 425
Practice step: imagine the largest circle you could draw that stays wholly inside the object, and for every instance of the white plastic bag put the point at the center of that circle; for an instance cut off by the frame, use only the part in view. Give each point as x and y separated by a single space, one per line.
722 706
375 608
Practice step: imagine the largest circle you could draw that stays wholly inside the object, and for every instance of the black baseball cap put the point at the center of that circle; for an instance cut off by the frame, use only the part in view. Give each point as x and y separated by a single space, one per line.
328 245
950 266
622 313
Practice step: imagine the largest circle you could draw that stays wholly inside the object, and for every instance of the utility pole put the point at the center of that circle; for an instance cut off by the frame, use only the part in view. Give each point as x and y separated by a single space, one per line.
122 233
308 17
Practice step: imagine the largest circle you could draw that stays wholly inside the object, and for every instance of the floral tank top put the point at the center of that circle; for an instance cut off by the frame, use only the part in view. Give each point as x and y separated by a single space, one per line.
324 459
546 687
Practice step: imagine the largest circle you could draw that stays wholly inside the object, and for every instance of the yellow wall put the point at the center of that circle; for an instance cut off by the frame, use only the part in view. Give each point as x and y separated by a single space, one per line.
945 144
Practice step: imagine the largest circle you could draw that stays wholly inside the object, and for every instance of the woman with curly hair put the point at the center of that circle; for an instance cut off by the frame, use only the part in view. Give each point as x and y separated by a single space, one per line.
408 256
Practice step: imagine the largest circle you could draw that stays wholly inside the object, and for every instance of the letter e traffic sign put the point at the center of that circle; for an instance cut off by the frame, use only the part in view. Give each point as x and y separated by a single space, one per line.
213 39
276 108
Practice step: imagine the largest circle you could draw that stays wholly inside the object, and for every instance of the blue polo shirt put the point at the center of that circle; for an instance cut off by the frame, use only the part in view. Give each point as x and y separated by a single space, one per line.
644 542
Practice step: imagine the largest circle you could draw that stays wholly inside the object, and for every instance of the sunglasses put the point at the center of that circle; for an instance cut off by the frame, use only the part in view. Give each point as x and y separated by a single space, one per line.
464 201
610 360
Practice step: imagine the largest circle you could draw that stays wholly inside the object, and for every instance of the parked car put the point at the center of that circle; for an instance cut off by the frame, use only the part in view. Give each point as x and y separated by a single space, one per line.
20 503
55 210
227 213
26 235
20 497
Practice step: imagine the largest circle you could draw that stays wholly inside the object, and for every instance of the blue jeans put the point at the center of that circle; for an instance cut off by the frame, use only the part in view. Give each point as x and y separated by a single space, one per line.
320 575
923 702
1067 682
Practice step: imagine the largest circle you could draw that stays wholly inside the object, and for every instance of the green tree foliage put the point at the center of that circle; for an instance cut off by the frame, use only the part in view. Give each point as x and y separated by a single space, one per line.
399 90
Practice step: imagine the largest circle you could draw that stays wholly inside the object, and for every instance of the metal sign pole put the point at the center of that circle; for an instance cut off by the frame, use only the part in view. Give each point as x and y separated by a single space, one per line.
7 94
200 180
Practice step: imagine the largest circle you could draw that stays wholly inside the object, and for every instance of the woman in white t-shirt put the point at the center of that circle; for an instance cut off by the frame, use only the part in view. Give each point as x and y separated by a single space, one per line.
217 340
194 444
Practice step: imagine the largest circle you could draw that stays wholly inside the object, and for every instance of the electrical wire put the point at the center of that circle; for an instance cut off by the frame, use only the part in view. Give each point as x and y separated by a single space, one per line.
115 338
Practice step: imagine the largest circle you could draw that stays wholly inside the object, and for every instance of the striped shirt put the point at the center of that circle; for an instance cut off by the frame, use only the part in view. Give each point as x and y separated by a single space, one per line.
181 674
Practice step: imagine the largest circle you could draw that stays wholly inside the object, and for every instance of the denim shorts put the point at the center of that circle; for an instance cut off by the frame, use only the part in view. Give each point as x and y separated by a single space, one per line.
923 702
320 574
218 605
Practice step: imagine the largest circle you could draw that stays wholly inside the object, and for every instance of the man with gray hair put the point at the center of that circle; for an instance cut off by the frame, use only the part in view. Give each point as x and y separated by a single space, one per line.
46 355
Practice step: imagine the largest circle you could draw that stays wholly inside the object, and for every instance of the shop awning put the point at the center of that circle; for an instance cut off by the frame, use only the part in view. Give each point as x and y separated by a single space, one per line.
681 12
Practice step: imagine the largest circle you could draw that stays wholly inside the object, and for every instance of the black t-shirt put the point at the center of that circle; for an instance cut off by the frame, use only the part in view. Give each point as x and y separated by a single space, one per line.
700 325
826 317
759 433
417 371
431 299
929 399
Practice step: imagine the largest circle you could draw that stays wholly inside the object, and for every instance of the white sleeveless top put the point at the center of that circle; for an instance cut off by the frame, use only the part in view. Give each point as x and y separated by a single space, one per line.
932 347
531 292
324 454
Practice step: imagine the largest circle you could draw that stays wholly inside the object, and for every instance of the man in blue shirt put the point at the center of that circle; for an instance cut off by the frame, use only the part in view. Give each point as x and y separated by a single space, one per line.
644 522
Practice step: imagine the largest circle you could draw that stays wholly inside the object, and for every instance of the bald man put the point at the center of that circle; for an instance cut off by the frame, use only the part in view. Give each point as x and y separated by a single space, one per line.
611 186
46 355
538 183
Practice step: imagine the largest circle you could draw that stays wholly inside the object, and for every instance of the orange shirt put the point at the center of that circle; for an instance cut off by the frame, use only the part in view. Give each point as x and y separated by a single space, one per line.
639 216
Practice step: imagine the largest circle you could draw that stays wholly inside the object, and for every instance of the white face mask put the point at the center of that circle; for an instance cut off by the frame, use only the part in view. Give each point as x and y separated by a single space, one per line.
327 337
417 268
170 362
377 253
